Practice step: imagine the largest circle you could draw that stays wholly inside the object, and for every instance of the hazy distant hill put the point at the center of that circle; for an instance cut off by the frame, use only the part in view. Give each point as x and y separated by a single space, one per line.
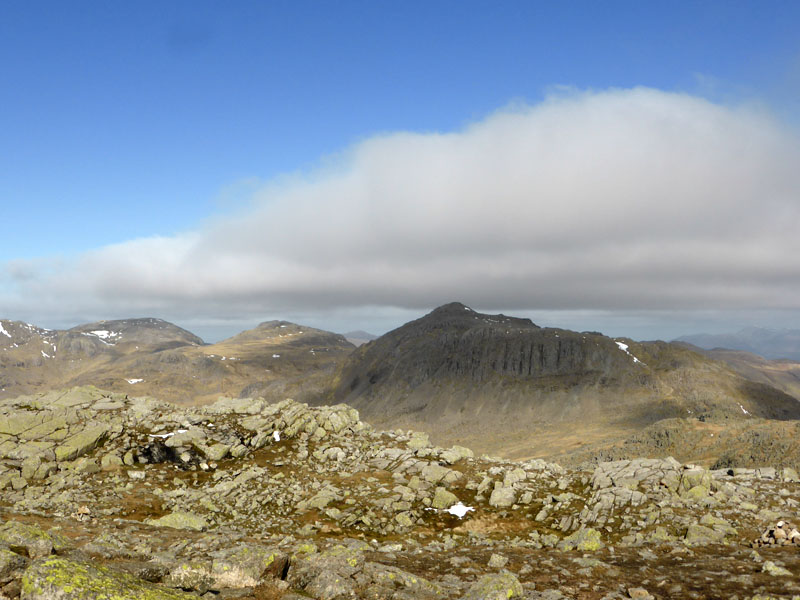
359 337
503 384
781 374
153 357
769 343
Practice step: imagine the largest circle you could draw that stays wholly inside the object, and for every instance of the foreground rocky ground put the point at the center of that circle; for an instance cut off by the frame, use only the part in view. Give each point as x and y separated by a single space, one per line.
105 496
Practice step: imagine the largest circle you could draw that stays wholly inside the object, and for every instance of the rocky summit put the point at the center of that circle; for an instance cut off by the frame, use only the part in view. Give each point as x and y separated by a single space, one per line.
103 495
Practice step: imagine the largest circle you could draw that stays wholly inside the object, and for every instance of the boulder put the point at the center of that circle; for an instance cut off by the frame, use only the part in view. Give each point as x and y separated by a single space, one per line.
500 586
180 520
583 539
81 443
503 497
56 578
35 542
443 499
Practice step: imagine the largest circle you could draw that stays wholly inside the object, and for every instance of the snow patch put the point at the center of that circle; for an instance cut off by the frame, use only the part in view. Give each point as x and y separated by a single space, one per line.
276 436
164 436
276 356
45 354
744 410
4 332
104 334
459 510
132 381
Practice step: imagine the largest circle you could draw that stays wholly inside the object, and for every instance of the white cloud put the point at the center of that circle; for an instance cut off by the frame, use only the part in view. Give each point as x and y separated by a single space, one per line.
626 199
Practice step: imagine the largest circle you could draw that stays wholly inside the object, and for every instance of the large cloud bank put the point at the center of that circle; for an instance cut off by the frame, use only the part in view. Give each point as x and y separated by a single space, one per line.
627 199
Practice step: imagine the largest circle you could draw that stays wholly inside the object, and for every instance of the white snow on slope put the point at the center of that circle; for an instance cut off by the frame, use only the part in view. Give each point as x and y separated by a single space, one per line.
45 354
132 381
164 436
744 410
624 348
104 334
4 332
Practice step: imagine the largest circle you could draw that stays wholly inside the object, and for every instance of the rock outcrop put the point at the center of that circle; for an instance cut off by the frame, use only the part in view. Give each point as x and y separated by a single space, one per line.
250 499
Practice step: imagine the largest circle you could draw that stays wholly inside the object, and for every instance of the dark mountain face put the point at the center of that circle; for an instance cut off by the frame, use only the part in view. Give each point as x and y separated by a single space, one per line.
504 384
455 342
768 343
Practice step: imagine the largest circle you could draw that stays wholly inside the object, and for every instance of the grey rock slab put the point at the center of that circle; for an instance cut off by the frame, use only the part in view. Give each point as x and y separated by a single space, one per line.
503 497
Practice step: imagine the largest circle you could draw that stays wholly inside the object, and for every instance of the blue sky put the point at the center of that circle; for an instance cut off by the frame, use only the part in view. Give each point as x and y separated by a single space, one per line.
130 121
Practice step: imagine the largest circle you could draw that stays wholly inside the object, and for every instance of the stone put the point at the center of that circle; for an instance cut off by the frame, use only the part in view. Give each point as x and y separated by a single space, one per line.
216 451
698 535
773 569
497 561
190 575
63 579
35 541
418 441
789 474
443 499
455 454
110 461
583 540
500 586
246 565
10 563
180 520
81 443
502 497
435 473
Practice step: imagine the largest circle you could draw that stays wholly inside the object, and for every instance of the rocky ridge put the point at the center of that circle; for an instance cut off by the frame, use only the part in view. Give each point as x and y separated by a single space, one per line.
276 359
103 495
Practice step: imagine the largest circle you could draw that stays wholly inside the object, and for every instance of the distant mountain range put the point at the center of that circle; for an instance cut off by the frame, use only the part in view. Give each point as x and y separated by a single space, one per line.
769 343
141 357
494 383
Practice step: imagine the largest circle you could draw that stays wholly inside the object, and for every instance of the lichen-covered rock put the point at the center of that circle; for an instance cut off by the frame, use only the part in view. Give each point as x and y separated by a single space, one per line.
246 565
328 575
583 539
772 569
10 563
190 575
36 542
500 586
81 443
56 578
443 499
